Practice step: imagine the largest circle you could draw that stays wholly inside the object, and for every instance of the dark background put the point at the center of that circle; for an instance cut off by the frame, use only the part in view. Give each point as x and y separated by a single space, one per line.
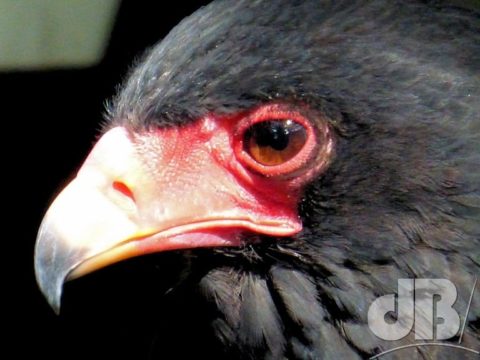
50 120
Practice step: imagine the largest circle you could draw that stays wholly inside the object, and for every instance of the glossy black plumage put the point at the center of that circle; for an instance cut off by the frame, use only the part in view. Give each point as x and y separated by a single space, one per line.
400 83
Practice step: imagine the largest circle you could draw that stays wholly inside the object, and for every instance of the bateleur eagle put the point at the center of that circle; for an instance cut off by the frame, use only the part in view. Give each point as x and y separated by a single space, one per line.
285 163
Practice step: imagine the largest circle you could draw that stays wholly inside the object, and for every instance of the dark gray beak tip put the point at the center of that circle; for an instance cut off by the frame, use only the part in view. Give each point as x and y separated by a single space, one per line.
50 270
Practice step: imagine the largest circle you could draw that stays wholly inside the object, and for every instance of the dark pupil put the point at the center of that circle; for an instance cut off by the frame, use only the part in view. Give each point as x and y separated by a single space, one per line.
274 133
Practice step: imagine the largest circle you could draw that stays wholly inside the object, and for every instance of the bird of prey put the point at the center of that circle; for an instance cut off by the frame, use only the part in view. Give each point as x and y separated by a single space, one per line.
286 164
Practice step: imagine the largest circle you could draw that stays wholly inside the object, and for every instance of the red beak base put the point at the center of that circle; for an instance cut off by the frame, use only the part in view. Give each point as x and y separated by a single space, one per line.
167 189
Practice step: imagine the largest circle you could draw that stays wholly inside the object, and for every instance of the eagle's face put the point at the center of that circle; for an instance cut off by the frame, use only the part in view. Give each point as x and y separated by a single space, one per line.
295 159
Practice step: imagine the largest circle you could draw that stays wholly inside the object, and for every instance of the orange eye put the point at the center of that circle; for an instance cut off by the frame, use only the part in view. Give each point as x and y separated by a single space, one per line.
274 142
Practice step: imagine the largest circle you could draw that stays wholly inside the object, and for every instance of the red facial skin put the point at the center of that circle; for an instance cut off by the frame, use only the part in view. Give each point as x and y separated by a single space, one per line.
205 163
180 187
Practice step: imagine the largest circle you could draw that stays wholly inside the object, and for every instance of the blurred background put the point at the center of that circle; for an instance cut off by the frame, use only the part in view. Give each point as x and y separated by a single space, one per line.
60 60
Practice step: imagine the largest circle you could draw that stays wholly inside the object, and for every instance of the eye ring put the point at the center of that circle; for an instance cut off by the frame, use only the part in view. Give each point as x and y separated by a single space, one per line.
288 164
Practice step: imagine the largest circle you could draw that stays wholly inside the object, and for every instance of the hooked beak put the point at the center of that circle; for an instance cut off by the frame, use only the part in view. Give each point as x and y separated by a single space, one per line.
118 207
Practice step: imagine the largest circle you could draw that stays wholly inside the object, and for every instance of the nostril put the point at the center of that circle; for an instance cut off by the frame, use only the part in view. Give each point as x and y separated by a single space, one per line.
123 189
